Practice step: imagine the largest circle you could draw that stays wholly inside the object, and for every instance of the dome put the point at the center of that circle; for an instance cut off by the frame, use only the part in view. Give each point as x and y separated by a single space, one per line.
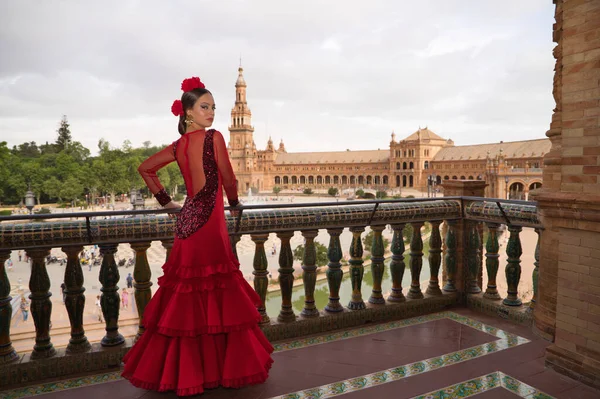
240 80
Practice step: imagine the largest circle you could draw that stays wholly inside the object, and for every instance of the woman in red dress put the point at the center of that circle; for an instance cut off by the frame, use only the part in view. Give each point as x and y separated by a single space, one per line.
201 326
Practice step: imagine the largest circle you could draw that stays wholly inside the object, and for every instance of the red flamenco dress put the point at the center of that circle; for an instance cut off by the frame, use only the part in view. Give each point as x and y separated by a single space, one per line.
201 326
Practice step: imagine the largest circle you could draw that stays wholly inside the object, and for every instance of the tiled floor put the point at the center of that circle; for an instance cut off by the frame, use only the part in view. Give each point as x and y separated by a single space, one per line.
415 358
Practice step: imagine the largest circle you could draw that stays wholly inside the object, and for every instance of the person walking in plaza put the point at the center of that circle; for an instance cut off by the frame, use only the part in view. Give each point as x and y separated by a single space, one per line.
201 326
99 309
124 298
129 280
24 308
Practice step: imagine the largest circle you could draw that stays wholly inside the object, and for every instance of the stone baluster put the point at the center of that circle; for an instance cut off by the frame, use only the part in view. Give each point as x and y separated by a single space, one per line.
7 352
397 265
491 261
473 258
513 266
309 275
286 277
377 265
435 259
536 271
110 300
356 269
75 300
142 284
234 239
261 279
450 258
168 245
334 270
41 305
416 262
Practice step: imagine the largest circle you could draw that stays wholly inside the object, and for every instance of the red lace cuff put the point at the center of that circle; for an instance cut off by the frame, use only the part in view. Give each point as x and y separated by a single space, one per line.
162 197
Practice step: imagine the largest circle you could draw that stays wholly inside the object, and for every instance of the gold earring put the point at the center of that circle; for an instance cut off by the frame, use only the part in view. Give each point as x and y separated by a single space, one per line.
188 120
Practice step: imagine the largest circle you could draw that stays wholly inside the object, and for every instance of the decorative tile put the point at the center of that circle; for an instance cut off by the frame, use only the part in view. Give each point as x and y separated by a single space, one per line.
495 380
505 340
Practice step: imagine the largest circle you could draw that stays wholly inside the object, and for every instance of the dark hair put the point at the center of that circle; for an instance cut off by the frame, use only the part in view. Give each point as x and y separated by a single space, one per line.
188 99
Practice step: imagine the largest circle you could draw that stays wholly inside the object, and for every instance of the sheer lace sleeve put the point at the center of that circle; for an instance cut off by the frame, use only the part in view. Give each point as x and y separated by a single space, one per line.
225 169
148 170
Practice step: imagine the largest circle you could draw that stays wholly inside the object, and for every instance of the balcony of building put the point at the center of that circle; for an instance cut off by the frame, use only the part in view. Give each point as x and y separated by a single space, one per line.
414 331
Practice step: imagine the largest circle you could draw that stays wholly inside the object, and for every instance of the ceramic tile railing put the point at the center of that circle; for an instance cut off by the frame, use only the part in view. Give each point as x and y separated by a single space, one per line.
39 236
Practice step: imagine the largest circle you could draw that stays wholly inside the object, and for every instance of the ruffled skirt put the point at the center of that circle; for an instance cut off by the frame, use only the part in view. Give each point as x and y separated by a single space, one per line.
201 326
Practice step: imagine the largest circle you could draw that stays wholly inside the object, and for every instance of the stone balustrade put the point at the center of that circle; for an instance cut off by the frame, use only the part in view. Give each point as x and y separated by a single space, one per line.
457 219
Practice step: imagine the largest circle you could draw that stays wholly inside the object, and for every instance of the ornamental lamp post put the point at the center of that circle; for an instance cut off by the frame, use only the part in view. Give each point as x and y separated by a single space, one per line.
29 200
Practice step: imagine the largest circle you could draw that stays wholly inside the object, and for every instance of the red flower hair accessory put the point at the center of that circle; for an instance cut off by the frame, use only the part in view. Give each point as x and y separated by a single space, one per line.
177 108
192 83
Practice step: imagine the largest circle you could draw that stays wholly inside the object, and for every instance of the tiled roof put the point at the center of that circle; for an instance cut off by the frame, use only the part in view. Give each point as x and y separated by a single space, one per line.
515 149
332 157
425 134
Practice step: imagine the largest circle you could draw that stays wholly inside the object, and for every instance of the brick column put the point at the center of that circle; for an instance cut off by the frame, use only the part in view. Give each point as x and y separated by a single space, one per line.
568 306
462 188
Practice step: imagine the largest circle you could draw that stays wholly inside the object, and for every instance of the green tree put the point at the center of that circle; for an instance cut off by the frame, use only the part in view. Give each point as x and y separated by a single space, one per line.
381 194
276 190
333 191
175 178
64 139
359 193
307 191
71 189
321 249
27 150
368 241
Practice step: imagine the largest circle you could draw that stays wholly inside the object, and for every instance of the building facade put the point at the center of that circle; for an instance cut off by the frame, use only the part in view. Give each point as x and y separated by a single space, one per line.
421 161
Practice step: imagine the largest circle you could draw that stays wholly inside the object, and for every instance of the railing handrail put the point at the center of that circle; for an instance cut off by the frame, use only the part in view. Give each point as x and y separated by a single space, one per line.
78 215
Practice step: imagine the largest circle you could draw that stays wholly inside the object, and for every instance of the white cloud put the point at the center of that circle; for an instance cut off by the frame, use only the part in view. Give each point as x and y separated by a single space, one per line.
321 75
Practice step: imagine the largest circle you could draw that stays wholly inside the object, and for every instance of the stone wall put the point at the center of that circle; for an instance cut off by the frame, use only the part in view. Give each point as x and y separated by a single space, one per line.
568 309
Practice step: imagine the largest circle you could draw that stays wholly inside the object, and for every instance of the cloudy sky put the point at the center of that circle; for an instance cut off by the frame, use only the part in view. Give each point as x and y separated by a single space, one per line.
321 74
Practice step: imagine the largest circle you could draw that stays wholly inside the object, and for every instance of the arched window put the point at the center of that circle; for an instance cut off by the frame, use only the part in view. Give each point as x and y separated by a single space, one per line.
302 179
344 180
361 180
412 165
385 180
277 180
286 180
327 179
319 180
446 178
404 165
462 178
426 165
336 180
294 180
397 180
470 177
397 165
411 181
311 180
454 178
404 181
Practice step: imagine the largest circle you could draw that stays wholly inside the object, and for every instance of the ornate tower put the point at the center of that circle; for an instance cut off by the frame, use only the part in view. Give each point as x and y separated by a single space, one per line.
242 149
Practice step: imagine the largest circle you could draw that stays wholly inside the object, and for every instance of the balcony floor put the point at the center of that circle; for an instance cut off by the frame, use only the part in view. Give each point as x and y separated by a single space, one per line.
463 353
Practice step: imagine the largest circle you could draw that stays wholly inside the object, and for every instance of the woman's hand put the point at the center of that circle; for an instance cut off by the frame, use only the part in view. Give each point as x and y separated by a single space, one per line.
172 205
234 211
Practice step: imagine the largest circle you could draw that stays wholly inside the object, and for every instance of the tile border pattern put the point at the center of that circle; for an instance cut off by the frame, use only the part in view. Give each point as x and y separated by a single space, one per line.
487 382
505 340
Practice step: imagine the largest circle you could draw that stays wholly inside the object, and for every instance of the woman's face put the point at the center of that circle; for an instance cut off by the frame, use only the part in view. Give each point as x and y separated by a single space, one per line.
203 112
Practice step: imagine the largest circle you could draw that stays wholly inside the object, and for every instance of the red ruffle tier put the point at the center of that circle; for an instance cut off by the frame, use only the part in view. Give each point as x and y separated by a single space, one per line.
201 331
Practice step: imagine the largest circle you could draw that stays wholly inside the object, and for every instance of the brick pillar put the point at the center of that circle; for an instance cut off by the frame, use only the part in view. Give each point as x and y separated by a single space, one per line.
461 188
568 307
